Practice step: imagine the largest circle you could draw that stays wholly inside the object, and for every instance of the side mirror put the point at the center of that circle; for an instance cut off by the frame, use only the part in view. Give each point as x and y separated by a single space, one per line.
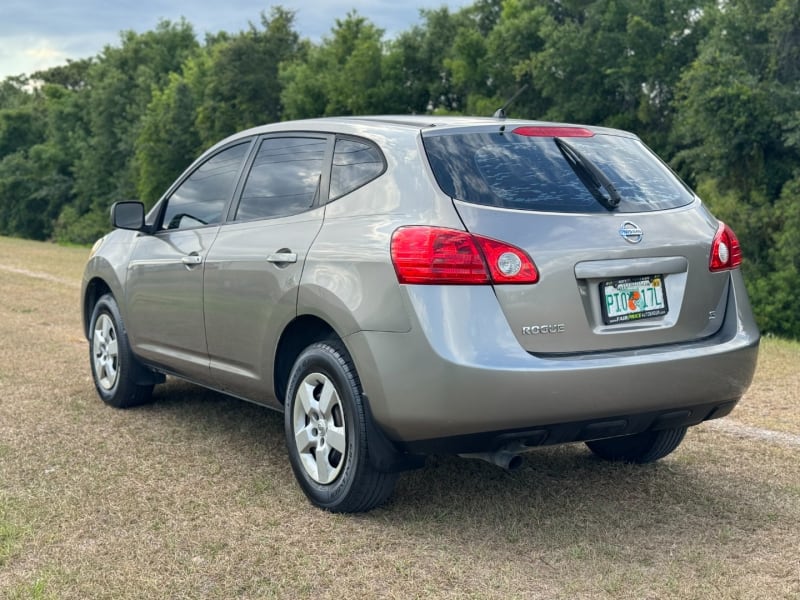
128 215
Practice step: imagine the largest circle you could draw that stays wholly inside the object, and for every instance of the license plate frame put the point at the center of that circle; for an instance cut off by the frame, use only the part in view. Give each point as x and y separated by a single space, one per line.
630 299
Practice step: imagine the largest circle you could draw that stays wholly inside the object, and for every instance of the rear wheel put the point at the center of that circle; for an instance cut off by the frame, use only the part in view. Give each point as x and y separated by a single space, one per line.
644 447
113 363
326 437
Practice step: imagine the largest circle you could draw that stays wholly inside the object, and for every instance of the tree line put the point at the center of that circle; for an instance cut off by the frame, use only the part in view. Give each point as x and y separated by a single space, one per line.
712 85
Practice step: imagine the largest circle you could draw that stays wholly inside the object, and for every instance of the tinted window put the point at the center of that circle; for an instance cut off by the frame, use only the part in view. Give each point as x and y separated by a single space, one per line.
354 164
201 199
530 173
284 178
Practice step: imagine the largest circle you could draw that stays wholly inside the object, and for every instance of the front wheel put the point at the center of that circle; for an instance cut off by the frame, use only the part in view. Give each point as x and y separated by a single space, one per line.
644 447
325 425
113 364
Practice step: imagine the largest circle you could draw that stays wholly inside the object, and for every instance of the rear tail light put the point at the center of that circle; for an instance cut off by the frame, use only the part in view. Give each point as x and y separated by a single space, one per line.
725 250
435 255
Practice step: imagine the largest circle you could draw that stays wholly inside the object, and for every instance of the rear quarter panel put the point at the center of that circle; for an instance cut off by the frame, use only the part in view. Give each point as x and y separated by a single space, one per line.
348 278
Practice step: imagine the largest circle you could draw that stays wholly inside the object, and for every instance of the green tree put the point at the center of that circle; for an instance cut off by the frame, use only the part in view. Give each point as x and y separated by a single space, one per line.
72 76
120 87
615 62
238 85
19 128
341 76
417 62
228 85
775 293
13 94
32 191
168 140
738 128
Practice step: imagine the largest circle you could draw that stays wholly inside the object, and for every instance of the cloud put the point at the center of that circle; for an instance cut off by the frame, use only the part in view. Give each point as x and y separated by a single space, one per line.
26 54
45 53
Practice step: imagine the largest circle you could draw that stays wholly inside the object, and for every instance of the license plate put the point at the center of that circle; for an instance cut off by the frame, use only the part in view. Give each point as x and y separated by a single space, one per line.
633 299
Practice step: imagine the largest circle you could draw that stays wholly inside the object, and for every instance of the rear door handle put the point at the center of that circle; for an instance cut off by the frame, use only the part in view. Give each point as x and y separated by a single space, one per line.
192 259
282 257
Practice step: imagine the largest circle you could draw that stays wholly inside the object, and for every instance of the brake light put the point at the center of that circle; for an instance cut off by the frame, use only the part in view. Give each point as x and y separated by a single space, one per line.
725 250
551 131
436 255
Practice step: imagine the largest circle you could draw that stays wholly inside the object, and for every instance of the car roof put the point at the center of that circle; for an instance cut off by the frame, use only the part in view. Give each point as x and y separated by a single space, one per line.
370 125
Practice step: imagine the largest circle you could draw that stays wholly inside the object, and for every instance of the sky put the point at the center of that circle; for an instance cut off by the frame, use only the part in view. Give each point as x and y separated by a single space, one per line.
38 34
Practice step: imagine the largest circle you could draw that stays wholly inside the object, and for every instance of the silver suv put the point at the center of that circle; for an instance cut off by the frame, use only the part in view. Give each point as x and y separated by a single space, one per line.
400 286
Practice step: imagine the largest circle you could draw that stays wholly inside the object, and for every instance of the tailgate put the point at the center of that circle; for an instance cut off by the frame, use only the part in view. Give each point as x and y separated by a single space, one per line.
590 276
621 244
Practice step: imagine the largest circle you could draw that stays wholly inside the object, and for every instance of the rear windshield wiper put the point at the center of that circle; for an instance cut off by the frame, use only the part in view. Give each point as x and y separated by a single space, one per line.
592 177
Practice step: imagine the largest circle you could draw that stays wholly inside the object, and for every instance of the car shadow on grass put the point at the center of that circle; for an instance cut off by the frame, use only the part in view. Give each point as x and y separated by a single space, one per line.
561 498
564 499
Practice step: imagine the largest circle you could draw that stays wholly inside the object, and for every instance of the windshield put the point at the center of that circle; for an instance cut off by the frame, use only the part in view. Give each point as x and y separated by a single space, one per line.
528 172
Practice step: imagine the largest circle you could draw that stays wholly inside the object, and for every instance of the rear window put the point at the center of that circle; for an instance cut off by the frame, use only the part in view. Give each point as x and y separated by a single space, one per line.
526 172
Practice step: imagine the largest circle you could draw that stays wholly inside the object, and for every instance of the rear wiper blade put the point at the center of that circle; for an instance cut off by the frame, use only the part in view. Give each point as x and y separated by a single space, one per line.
592 177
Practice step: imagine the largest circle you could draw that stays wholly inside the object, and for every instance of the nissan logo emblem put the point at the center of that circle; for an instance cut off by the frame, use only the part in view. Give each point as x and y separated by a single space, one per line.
631 232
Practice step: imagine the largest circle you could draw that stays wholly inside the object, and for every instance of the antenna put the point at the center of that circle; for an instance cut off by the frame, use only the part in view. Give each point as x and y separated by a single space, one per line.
500 113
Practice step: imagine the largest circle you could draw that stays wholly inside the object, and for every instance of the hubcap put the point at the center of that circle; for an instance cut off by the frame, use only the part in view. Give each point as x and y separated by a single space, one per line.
105 352
319 428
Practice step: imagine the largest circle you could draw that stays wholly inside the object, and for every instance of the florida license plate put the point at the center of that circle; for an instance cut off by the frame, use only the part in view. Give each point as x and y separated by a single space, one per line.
633 299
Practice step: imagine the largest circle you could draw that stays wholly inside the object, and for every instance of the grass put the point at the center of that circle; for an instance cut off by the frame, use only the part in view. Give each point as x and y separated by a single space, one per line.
193 497
10 533
772 401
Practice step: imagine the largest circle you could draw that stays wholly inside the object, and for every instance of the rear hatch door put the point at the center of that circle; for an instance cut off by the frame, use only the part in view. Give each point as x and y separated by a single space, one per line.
621 244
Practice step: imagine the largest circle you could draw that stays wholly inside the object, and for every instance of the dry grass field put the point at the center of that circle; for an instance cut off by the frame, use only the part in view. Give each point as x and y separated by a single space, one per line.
193 497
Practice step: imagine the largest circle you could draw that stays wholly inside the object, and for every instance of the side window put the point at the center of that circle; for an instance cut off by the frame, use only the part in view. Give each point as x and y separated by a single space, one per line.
284 179
201 198
354 164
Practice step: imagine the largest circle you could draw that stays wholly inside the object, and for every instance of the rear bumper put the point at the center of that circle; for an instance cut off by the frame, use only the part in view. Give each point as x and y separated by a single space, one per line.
459 380
520 440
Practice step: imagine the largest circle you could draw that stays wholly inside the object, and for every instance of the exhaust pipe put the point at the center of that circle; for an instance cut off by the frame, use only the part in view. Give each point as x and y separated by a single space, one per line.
505 459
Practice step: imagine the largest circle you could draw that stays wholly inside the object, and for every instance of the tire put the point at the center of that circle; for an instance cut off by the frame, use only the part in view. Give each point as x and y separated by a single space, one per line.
326 434
113 364
641 448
